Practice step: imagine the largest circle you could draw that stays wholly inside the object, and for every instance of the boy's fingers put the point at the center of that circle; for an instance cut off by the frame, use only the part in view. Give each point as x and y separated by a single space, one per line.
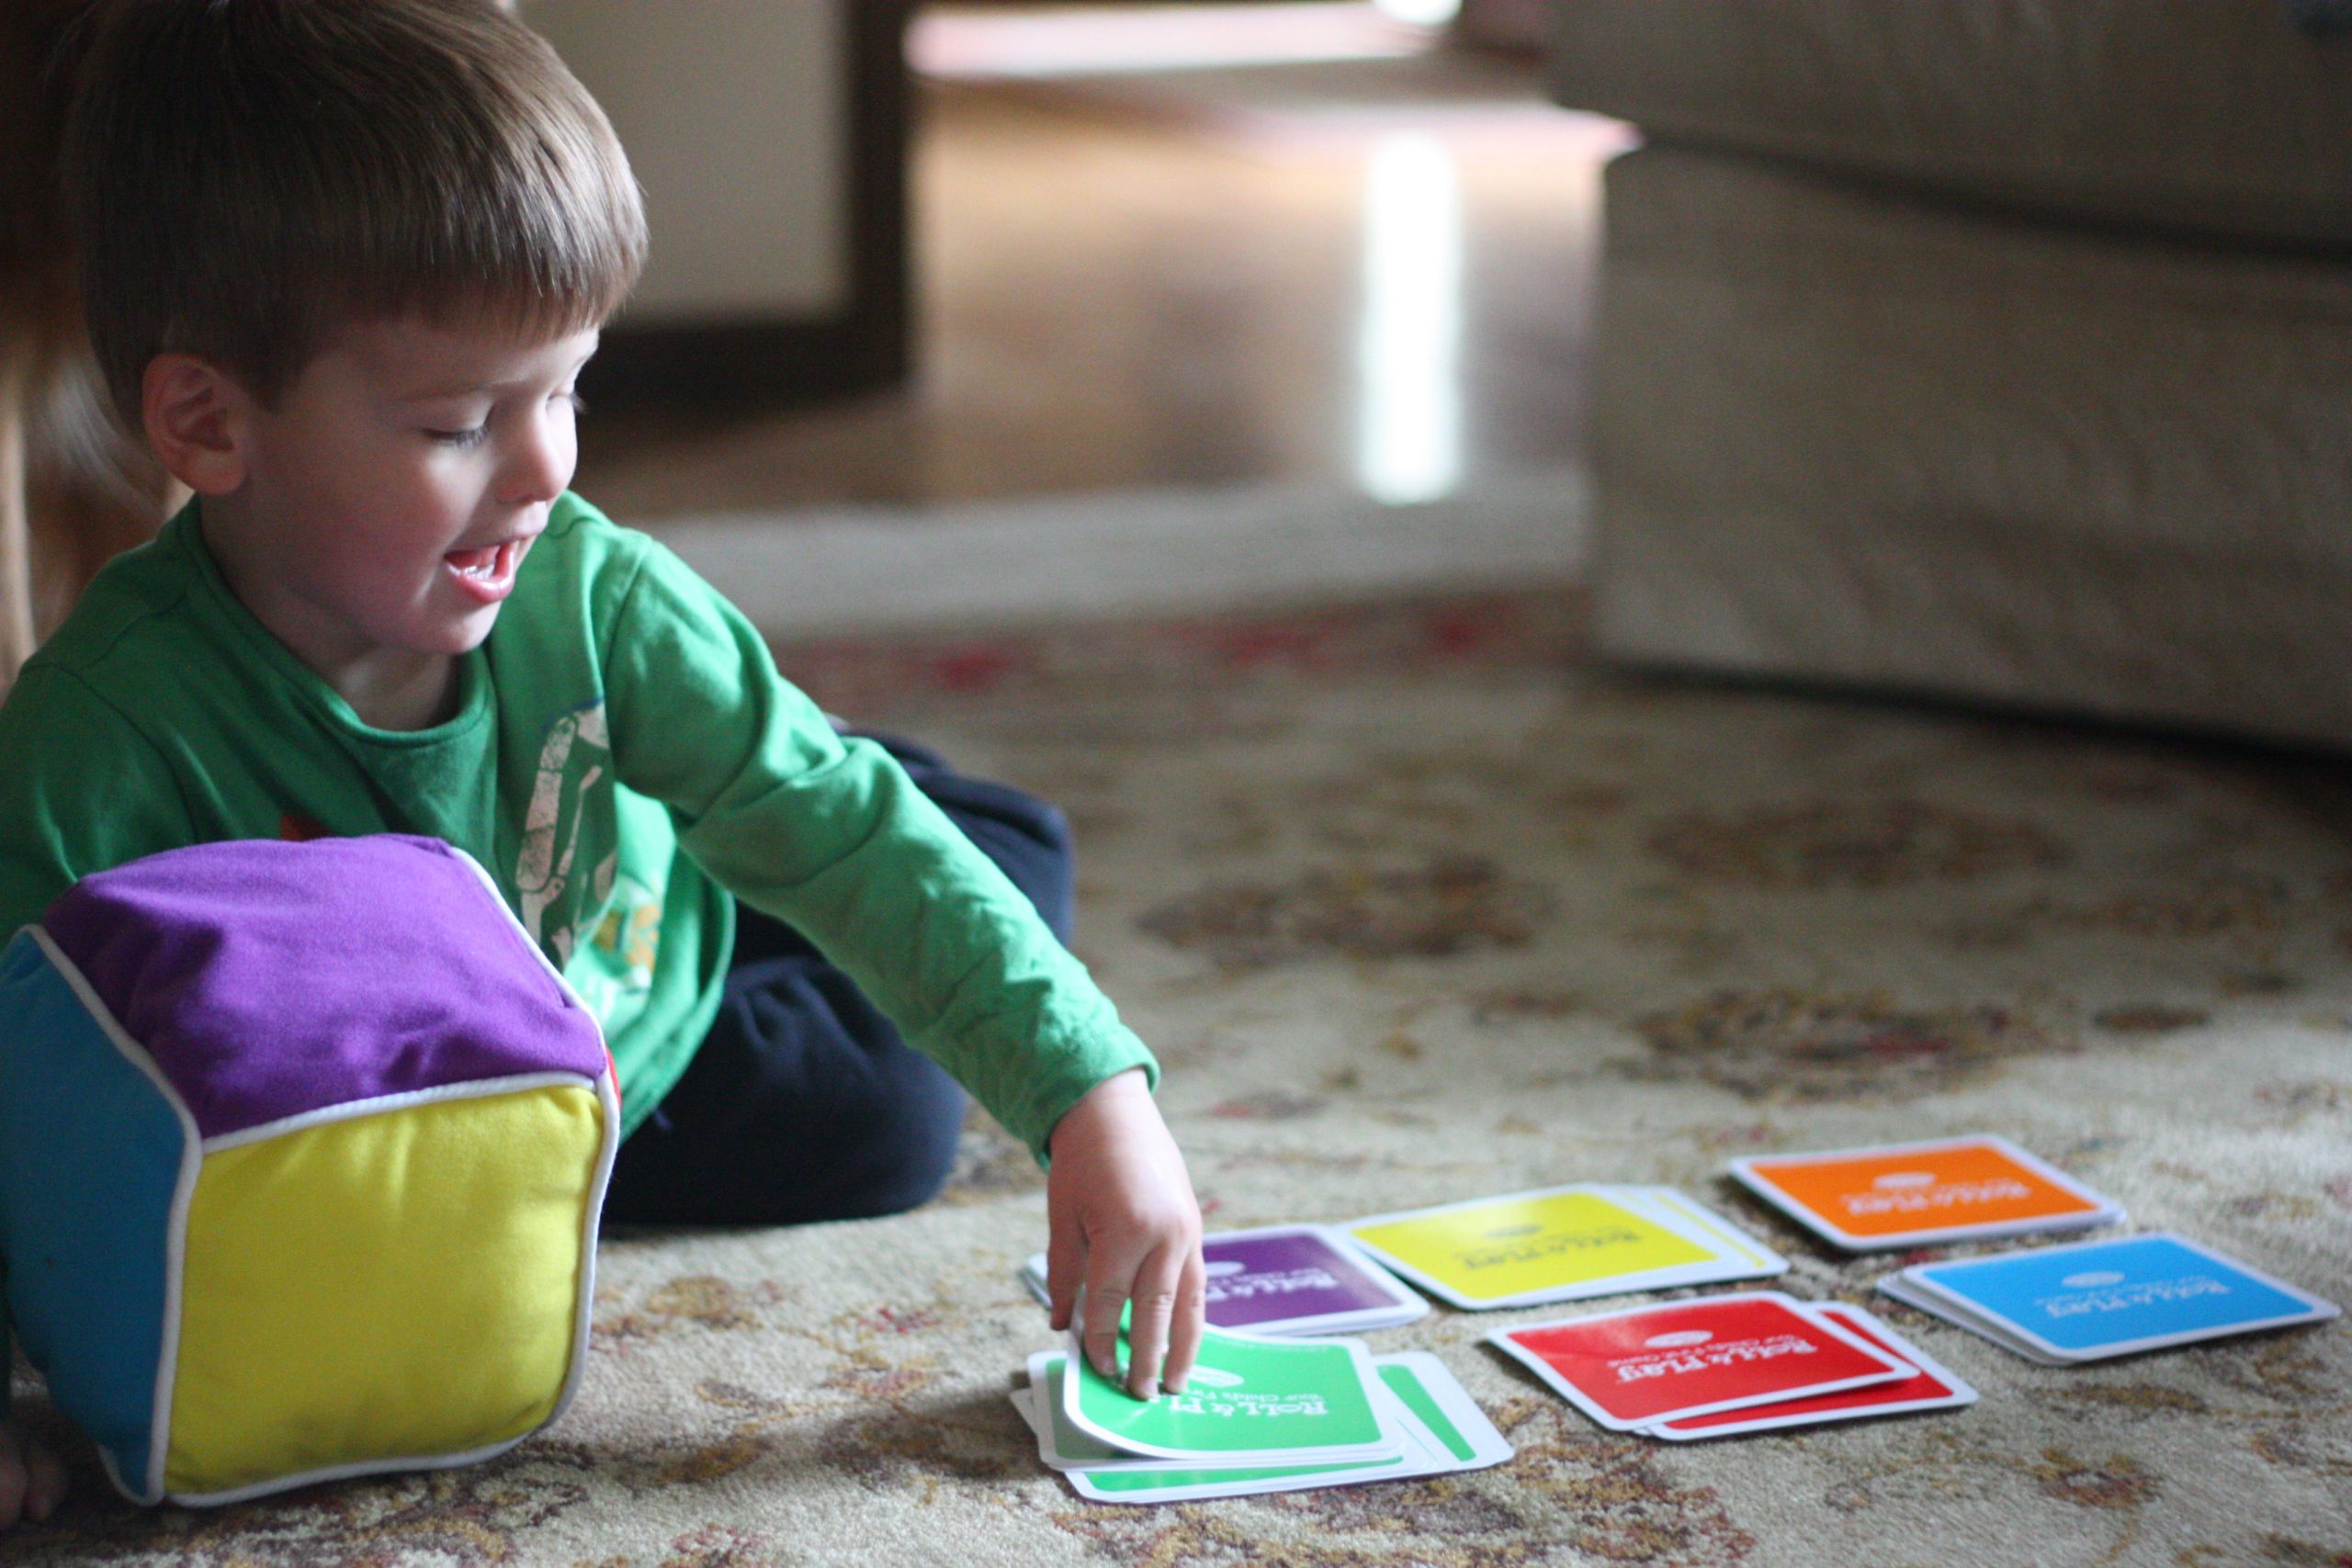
1155 1310
1109 1280
1065 1265
1101 1335
1184 1330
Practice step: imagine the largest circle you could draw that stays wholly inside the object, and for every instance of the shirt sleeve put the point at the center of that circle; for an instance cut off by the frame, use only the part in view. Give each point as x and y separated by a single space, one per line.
81 790
830 836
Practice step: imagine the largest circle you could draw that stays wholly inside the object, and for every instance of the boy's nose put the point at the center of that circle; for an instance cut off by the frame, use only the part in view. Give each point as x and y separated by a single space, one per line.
540 465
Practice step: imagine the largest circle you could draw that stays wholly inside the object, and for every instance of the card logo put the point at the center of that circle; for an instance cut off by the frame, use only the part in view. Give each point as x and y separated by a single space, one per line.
2103 1289
1225 1287
1676 1355
1217 1377
1918 1193
1513 1249
1226 1268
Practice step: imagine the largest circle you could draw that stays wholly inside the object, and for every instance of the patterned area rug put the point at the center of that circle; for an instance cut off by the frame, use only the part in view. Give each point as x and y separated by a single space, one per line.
1418 906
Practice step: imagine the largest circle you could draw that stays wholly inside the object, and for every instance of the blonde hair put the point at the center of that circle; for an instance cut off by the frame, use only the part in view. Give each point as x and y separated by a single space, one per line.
246 176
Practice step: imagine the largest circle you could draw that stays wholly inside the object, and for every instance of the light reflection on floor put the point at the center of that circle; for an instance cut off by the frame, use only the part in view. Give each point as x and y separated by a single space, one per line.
1409 441
1360 274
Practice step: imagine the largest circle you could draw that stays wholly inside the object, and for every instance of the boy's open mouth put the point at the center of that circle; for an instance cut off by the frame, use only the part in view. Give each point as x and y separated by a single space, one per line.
488 573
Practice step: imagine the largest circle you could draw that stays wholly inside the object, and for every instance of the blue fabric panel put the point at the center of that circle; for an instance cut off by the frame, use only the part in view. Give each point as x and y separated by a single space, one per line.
89 1159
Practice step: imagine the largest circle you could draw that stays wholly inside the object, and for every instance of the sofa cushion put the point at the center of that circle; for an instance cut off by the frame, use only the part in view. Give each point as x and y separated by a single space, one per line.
2219 115
1840 435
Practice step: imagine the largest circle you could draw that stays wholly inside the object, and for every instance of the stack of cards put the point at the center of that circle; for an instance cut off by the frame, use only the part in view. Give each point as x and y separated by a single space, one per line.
2059 1305
1898 1195
1722 1365
1289 1280
1563 1244
1260 1414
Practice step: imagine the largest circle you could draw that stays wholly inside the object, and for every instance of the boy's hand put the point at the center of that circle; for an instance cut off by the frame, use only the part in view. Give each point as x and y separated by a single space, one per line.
1122 1221
32 1480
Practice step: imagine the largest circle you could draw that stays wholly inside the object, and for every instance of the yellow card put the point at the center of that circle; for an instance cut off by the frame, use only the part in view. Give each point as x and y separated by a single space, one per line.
1555 1244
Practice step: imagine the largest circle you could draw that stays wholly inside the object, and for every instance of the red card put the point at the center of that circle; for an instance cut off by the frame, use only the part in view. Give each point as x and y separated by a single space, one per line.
1648 1365
1929 1387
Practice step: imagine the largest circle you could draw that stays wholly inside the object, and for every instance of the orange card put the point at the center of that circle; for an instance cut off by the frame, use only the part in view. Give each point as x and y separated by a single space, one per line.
1897 1195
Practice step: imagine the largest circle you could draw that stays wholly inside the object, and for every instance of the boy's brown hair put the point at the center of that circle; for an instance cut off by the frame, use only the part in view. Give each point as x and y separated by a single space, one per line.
246 176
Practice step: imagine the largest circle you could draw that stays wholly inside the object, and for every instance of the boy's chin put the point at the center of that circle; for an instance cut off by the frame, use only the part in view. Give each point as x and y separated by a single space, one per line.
457 637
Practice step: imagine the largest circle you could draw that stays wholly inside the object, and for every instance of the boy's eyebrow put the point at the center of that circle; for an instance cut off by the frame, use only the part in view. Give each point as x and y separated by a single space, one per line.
438 394
445 390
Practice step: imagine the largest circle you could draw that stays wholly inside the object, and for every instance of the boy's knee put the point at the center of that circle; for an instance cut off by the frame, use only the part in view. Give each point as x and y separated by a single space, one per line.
906 1148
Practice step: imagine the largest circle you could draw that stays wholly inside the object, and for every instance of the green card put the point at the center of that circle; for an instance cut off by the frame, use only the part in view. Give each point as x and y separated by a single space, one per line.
1281 1400
1063 1446
1407 1386
1443 1431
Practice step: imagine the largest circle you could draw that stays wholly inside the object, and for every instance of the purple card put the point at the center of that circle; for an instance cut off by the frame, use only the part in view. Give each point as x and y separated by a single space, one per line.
1288 1279
1263 1279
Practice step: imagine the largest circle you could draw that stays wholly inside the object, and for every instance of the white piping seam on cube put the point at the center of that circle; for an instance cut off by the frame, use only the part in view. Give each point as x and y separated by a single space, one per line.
352 1110
497 900
608 1093
590 1215
608 1096
347 1471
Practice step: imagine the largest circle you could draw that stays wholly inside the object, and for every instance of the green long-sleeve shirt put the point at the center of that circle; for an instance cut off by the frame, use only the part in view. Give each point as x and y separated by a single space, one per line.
624 756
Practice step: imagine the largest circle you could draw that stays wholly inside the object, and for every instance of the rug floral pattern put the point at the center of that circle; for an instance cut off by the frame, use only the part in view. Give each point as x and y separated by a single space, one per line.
1416 906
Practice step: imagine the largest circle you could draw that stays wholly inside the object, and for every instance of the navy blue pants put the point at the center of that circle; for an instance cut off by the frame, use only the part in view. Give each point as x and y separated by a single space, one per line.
805 1104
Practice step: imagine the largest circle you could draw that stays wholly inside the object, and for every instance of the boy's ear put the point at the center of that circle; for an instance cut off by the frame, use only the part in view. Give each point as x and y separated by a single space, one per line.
198 420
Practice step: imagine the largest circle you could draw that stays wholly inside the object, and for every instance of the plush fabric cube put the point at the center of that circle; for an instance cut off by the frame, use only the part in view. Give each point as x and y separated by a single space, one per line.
302 1149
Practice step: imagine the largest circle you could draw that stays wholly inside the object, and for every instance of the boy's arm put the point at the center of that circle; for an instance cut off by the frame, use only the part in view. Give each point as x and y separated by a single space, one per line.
830 835
81 790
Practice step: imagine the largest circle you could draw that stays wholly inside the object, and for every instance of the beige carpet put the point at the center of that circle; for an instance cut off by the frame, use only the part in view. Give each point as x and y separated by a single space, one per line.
1417 908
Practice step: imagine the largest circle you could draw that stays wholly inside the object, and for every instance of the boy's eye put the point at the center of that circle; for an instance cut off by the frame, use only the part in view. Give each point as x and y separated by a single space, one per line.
459 437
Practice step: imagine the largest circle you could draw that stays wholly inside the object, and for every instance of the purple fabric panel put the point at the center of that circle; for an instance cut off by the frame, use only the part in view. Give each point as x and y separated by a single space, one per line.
268 979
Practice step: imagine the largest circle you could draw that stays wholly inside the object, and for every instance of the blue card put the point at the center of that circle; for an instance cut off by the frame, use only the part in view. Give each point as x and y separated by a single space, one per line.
2113 1298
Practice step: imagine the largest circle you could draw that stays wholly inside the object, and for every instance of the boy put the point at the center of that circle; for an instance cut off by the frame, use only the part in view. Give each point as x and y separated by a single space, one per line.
343 263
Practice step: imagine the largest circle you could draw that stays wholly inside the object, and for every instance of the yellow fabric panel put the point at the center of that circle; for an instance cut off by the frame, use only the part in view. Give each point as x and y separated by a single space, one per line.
403 1283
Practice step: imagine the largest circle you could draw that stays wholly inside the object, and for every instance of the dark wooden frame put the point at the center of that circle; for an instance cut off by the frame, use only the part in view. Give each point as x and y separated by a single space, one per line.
728 366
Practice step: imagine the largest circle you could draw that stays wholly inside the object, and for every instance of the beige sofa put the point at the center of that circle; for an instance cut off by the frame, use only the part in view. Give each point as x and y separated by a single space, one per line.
1999 349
